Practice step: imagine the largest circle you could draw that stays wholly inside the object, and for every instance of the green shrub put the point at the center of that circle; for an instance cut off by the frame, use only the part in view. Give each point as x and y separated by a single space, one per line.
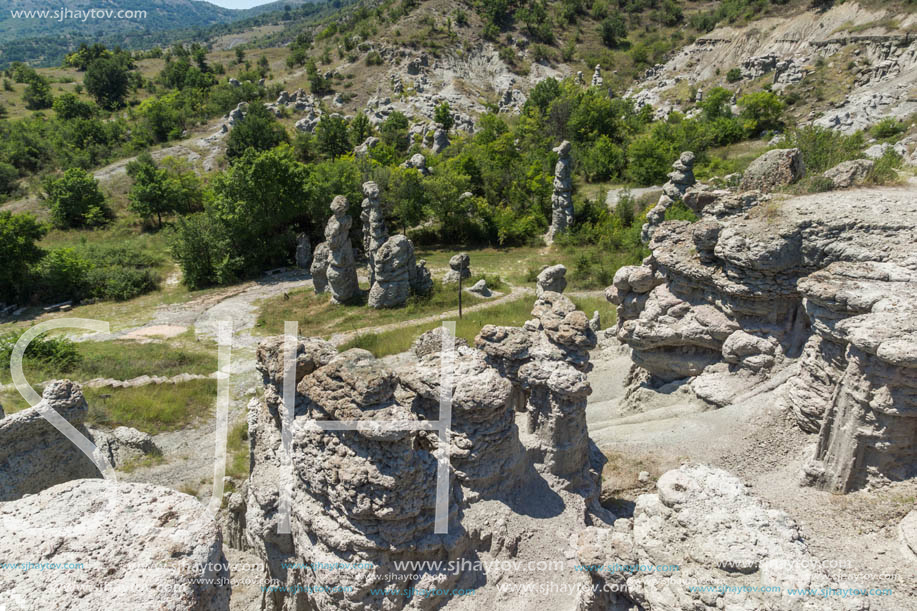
75 200
734 75
57 352
604 160
822 148
887 128
679 212
885 169
258 130
63 274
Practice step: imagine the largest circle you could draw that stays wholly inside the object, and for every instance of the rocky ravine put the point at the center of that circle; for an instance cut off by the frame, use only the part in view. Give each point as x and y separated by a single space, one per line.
770 289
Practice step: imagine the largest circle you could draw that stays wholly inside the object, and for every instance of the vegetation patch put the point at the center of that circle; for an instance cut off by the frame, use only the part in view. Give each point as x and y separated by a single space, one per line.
152 409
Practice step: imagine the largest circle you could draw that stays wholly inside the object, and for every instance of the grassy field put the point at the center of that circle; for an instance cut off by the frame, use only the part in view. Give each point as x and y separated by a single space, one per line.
123 360
318 317
153 409
512 313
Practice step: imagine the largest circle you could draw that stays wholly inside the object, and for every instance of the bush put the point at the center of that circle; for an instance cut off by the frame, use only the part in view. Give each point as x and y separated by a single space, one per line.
761 111
68 106
9 176
613 31
887 128
37 94
885 169
604 160
63 274
75 200
158 191
822 148
734 75
56 352
107 81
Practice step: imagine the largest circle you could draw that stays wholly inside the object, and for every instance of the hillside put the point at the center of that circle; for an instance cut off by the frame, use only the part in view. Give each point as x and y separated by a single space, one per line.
44 40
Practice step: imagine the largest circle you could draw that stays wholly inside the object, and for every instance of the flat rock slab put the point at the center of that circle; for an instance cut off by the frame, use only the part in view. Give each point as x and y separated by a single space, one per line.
107 545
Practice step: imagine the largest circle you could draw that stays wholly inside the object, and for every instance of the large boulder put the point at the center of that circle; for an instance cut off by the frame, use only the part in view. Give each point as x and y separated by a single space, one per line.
702 527
124 445
113 546
849 173
394 265
774 169
458 268
33 454
551 278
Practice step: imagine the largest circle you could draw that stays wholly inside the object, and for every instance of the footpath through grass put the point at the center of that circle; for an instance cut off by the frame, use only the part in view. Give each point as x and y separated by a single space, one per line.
512 314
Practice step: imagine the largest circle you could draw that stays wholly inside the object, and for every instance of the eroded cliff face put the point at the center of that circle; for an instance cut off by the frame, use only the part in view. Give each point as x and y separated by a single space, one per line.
815 291
364 498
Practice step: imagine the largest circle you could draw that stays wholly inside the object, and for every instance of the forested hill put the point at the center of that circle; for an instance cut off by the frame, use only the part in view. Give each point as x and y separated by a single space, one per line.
44 41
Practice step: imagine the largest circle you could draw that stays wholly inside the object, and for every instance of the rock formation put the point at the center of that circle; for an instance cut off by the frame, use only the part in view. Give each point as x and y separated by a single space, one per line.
597 80
547 360
849 173
458 268
319 267
342 270
702 527
551 278
34 455
123 445
366 494
397 274
773 169
681 178
432 341
480 288
761 283
303 251
417 162
374 232
137 546
562 198
440 141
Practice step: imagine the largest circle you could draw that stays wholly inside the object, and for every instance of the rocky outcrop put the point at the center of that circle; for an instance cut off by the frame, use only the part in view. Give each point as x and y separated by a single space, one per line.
131 546
681 178
432 341
417 162
772 170
342 269
33 454
547 360
597 80
819 290
551 278
458 268
562 198
703 528
396 273
123 445
480 288
849 173
440 141
319 267
303 251
374 232
363 492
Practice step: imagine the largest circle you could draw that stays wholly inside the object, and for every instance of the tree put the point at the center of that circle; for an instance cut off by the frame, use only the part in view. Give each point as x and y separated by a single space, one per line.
19 251
394 131
8 177
75 200
613 31
761 111
258 130
331 135
360 129
106 80
442 114
318 84
716 103
37 94
240 55
162 191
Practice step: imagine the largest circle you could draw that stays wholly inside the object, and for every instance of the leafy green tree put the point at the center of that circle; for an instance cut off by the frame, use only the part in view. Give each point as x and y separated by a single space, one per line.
603 160
442 115
318 84
37 94
159 191
761 111
75 200
613 31
331 136
106 80
19 251
202 250
257 202
63 274
542 94
648 161
716 103
258 130
394 131
360 129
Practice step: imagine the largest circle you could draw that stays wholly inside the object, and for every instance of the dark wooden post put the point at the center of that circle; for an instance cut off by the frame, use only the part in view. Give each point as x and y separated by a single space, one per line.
460 294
